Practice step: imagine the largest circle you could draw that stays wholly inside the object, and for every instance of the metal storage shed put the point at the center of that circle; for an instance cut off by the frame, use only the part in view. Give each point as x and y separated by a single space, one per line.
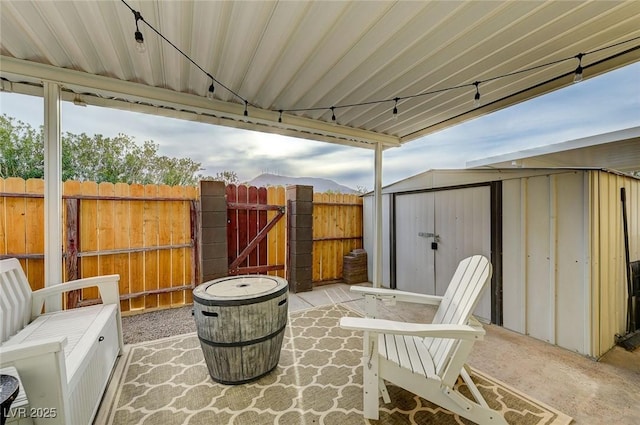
555 238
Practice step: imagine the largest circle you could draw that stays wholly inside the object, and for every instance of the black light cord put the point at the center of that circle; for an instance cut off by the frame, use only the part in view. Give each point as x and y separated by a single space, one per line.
139 17
474 84
395 99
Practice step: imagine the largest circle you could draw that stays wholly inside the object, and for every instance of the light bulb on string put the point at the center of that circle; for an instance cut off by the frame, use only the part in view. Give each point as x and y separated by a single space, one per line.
246 111
476 97
280 116
210 92
140 46
395 109
577 76
333 115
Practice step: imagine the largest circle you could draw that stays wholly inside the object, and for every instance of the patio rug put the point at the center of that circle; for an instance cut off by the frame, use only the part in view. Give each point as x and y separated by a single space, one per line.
317 381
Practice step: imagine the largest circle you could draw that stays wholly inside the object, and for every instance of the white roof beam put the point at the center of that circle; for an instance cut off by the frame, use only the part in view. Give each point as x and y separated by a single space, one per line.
104 91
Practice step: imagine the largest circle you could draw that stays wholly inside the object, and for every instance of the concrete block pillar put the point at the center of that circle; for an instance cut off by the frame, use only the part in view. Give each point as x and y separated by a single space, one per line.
299 238
213 228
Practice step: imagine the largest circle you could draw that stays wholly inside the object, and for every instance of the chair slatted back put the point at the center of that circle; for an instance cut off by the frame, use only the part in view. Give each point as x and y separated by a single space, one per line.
15 298
459 301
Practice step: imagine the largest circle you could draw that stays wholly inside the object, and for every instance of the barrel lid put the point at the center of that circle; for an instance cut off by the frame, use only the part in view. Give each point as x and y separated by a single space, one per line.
240 287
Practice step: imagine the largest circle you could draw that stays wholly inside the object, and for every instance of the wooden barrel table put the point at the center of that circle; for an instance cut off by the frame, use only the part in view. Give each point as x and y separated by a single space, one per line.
241 322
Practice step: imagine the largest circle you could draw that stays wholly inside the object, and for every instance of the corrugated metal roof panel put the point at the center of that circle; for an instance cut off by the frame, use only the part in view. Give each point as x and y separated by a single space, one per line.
305 55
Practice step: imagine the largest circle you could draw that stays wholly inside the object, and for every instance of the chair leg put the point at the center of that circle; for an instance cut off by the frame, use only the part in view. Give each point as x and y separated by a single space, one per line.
383 391
464 373
370 377
459 404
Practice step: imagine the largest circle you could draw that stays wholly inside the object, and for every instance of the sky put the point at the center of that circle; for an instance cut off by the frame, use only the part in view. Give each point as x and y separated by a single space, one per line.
598 105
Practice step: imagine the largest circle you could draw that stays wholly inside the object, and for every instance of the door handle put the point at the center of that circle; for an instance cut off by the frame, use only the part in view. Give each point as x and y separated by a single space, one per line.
436 237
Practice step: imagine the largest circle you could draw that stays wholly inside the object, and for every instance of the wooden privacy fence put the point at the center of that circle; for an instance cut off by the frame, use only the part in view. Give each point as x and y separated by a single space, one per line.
337 230
145 233
149 235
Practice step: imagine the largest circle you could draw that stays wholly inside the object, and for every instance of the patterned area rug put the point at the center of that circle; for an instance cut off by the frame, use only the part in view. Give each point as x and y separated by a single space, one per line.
317 381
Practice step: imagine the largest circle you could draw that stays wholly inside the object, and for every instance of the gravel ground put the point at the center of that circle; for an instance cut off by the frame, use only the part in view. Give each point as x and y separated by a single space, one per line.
157 324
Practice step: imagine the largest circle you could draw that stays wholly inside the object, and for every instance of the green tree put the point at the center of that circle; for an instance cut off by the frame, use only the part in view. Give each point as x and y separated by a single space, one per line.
228 177
21 149
177 171
95 158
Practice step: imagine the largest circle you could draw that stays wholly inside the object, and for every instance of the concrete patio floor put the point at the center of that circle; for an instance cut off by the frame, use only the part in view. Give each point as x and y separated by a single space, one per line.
592 392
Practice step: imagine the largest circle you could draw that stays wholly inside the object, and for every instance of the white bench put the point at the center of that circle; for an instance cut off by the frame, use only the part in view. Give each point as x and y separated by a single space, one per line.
64 358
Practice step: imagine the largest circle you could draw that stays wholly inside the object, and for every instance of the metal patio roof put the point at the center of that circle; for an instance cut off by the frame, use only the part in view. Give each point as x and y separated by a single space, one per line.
314 54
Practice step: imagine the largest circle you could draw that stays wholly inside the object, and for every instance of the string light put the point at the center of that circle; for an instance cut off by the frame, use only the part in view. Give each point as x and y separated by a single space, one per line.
210 92
578 74
476 98
140 39
140 46
395 109
577 77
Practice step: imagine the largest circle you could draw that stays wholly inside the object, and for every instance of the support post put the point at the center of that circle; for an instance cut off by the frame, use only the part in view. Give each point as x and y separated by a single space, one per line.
195 232
52 191
377 228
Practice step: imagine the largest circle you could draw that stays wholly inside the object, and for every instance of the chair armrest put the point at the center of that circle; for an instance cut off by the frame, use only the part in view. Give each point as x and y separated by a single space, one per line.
43 373
413 329
25 350
107 285
394 294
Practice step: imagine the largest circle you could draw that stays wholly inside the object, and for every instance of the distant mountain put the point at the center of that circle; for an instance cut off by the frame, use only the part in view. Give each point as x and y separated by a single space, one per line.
319 184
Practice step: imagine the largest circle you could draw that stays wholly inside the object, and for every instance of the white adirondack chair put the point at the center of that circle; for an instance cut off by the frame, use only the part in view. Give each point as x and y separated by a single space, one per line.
426 359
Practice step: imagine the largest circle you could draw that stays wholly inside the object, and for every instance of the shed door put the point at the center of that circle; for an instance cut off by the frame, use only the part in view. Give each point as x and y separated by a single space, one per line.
459 221
415 261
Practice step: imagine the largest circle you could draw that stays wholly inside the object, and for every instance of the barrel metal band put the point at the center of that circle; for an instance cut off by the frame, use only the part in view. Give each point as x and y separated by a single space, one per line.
242 301
242 343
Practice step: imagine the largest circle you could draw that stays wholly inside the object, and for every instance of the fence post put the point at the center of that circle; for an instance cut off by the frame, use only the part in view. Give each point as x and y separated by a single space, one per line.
72 242
194 232
299 238
213 230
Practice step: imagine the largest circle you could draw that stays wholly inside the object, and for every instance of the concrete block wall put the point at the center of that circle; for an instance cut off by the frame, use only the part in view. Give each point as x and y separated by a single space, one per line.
213 228
299 238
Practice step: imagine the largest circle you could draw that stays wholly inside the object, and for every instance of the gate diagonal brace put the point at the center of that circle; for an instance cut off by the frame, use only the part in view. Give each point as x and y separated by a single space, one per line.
254 243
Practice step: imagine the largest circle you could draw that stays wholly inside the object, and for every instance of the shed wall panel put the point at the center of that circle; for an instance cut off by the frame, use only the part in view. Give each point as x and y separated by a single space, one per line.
538 261
611 251
571 283
514 255
609 303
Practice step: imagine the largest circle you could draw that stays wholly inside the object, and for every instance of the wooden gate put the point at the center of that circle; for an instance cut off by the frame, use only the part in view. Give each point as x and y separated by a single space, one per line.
248 223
